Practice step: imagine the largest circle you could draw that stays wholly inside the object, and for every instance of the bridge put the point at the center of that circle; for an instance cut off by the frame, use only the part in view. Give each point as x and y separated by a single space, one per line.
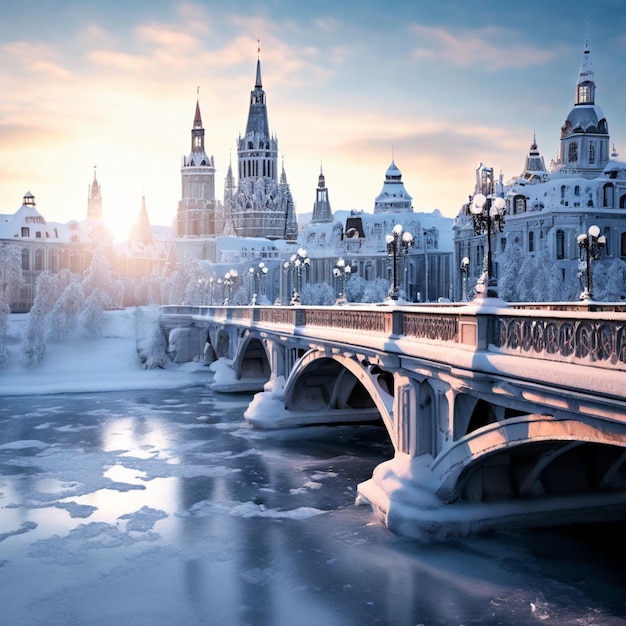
501 416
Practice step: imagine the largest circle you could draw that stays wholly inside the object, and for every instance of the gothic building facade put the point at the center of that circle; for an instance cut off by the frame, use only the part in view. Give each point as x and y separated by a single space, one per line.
547 209
260 205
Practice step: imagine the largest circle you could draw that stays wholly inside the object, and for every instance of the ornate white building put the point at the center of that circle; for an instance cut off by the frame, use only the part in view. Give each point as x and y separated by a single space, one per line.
546 210
359 238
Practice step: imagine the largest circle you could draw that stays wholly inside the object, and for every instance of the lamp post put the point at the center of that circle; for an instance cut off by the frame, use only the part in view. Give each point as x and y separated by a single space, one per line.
297 264
230 279
464 271
590 244
488 216
259 273
342 270
398 243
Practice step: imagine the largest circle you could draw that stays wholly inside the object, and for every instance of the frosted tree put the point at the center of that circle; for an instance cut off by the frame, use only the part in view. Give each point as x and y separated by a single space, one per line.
608 280
547 285
11 279
376 290
64 316
355 288
176 287
319 294
156 355
510 266
46 294
92 316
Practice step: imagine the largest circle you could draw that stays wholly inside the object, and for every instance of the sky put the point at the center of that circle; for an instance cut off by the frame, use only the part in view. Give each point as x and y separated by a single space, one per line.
440 86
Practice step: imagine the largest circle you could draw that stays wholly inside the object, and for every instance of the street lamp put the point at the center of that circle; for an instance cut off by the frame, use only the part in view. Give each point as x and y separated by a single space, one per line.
464 271
259 273
230 279
590 244
297 264
398 244
488 217
342 270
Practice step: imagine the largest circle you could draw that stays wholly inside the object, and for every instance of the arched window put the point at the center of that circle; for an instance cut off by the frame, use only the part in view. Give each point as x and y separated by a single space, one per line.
608 195
39 259
531 241
572 152
53 261
563 191
560 244
25 259
592 152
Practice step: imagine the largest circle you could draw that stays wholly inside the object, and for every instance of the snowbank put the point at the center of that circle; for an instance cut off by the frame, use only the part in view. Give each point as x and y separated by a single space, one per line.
86 364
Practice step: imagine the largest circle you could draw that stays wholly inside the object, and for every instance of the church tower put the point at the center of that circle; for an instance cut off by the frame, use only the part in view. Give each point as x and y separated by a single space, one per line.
322 213
196 216
259 206
584 148
94 199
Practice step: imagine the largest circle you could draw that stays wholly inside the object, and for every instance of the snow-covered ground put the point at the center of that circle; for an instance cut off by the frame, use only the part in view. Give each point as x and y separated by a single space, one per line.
82 364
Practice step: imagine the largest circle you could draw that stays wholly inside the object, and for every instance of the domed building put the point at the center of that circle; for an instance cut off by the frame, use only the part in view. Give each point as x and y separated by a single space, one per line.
547 210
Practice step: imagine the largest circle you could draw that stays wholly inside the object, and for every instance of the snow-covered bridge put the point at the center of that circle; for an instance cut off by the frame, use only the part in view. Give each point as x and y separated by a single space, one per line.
500 416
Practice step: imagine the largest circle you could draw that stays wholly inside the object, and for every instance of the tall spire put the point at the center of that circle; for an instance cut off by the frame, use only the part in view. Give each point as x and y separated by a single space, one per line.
322 213
585 85
94 199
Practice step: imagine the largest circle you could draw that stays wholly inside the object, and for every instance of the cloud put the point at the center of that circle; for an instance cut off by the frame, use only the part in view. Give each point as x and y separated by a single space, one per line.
490 48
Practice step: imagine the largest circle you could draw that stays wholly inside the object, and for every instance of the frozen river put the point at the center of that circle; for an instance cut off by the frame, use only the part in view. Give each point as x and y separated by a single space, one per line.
163 508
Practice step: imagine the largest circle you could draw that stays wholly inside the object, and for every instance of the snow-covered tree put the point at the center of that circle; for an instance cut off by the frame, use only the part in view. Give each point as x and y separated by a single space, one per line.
510 266
11 279
355 288
92 316
64 316
46 294
376 290
318 294
608 280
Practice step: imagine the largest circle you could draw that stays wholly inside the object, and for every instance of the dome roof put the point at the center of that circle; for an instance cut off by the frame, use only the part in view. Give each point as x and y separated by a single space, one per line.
585 119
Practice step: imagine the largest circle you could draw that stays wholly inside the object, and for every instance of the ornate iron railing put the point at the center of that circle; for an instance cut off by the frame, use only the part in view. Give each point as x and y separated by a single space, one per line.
600 341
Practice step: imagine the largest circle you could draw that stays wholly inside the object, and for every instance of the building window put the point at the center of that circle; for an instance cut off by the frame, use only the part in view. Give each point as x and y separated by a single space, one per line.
502 244
592 152
560 244
622 250
25 259
531 241
608 195
39 259
577 190
572 152
25 231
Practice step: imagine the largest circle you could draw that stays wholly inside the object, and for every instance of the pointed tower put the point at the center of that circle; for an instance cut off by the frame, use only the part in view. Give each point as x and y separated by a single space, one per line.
534 166
142 231
322 213
393 197
94 199
196 216
257 206
584 148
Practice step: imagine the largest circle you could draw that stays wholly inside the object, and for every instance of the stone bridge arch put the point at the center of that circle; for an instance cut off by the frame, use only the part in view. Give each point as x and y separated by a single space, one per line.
252 359
531 456
340 383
